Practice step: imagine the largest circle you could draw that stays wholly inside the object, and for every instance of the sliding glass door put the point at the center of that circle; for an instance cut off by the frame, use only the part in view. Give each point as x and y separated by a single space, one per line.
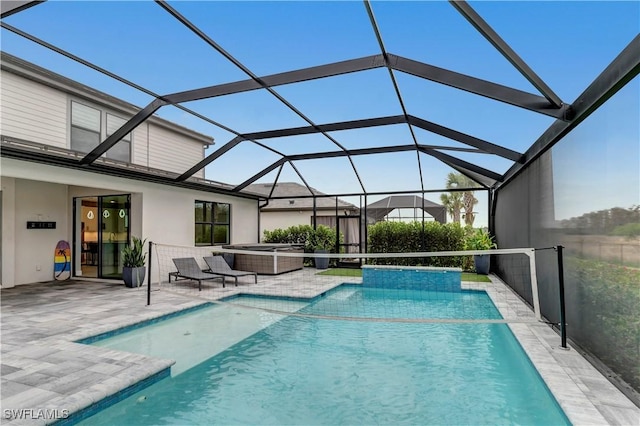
104 232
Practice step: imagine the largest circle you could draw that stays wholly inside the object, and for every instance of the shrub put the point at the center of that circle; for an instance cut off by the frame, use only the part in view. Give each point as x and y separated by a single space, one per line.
298 234
479 240
324 238
403 237
628 230
321 238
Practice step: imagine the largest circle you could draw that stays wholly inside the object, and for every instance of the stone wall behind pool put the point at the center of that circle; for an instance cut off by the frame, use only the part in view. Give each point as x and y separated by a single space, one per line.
412 278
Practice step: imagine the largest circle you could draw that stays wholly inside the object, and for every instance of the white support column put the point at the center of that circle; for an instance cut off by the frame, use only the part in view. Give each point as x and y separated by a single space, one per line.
8 278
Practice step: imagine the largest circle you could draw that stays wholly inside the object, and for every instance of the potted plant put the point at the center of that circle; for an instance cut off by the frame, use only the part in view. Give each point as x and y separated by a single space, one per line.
481 240
322 240
321 262
133 258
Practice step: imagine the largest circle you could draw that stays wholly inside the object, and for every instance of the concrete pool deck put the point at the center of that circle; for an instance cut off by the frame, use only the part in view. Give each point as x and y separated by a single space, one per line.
44 371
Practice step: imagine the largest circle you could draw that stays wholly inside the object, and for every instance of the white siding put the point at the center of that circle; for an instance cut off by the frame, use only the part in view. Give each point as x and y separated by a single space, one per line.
32 111
38 113
139 149
173 152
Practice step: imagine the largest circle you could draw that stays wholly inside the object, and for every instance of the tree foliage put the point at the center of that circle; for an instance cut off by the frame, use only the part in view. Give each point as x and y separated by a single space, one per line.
627 230
614 221
453 203
468 199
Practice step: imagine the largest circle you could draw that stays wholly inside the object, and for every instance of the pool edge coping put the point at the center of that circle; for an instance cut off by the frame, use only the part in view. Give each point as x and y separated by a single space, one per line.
532 337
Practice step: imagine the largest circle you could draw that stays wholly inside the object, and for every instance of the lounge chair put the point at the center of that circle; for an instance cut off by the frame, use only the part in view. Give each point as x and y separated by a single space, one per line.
218 265
188 269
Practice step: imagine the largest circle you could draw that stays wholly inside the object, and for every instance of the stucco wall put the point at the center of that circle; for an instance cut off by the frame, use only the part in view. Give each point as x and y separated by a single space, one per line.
33 249
160 213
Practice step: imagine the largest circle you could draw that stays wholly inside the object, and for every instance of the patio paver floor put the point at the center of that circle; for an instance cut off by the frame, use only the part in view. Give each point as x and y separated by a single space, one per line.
43 369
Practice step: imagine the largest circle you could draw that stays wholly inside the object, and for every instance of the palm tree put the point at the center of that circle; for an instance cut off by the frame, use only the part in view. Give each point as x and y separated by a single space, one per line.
453 203
458 180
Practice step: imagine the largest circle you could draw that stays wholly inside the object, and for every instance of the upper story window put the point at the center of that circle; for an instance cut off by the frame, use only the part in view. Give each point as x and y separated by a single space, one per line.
213 223
85 127
122 150
87 131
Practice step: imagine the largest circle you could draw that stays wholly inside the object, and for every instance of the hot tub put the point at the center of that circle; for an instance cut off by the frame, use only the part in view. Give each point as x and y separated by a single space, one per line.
267 265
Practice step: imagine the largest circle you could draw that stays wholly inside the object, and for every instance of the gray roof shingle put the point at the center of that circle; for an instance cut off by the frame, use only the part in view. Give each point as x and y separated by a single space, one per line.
293 190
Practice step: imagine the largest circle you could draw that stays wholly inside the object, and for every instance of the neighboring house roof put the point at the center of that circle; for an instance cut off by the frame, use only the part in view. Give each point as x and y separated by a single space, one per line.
293 190
381 208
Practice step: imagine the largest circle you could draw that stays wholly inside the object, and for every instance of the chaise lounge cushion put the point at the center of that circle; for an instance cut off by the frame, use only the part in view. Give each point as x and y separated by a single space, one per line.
218 265
188 268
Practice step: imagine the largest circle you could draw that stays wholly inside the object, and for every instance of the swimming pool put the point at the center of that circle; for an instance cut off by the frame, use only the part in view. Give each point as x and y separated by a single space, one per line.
305 370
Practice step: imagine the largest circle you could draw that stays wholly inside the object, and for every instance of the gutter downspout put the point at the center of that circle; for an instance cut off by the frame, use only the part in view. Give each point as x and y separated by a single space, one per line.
260 207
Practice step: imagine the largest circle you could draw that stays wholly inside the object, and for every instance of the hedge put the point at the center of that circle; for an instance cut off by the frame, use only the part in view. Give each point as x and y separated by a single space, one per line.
403 237
390 237
305 235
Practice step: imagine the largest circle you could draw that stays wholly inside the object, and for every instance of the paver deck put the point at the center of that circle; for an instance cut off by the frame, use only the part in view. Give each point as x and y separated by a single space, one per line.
43 369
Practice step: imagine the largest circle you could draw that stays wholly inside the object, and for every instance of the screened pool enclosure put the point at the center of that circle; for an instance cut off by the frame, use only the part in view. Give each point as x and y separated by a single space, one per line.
537 103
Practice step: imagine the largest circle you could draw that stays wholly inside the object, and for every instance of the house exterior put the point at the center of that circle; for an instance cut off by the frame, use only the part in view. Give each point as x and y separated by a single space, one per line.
48 123
285 212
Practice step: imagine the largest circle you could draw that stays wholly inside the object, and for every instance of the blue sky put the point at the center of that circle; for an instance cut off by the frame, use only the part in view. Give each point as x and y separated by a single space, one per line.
567 43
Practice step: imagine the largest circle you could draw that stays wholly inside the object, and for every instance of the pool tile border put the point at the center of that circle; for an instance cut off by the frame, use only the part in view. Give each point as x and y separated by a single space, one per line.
308 299
83 414
107 334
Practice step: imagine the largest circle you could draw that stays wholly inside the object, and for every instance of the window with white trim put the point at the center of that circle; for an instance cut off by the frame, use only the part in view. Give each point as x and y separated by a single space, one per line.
85 127
87 131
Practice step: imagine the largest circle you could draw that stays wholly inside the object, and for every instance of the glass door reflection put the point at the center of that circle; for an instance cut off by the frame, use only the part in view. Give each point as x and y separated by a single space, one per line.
89 225
114 217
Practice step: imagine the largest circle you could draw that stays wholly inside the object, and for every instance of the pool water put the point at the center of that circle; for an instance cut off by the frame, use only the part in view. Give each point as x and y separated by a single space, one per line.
355 301
197 336
304 370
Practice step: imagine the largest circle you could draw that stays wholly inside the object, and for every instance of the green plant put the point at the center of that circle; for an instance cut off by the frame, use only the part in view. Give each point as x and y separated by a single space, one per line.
323 238
627 230
133 255
297 234
402 237
479 240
